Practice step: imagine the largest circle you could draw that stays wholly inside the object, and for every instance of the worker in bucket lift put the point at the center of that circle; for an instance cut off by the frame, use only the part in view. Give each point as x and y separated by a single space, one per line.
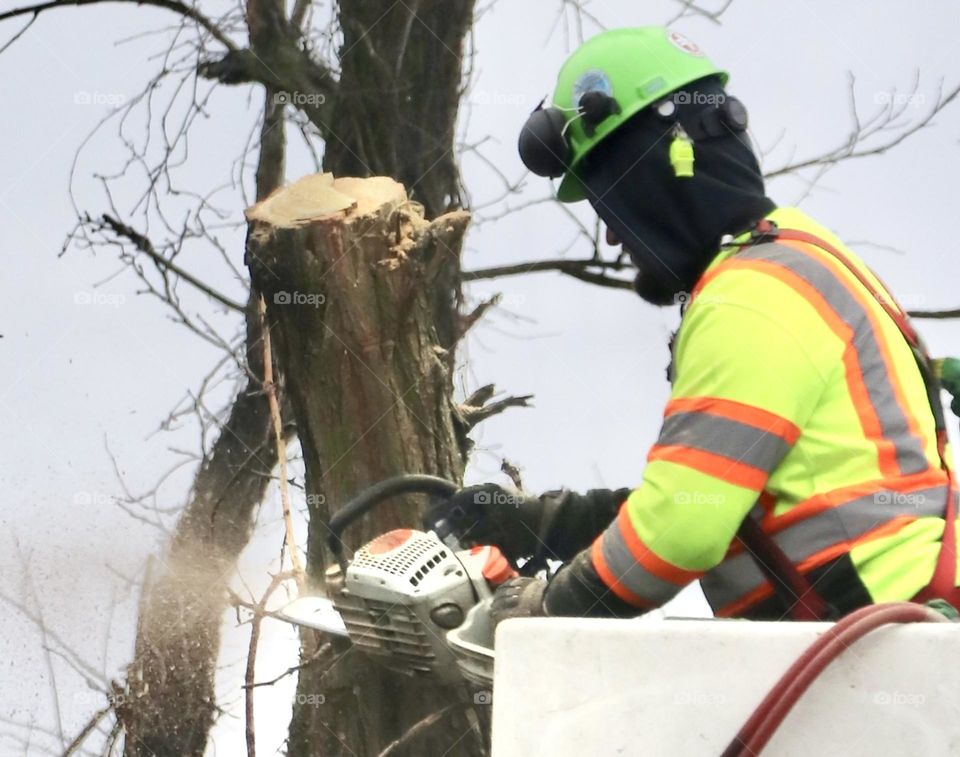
801 470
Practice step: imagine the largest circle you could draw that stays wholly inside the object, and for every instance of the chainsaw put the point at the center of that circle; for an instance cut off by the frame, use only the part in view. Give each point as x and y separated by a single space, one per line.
408 597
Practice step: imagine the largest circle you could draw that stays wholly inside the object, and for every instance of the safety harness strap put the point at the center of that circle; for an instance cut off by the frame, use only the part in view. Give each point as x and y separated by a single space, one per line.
789 584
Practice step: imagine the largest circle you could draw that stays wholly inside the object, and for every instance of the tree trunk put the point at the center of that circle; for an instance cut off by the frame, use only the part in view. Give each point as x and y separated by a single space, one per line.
395 109
348 269
393 113
169 705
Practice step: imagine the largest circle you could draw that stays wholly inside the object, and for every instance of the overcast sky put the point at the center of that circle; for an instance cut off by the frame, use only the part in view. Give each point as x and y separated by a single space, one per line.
87 368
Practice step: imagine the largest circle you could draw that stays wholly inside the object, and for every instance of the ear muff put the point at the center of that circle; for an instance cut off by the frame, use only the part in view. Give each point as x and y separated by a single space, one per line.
543 145
733 114
728 116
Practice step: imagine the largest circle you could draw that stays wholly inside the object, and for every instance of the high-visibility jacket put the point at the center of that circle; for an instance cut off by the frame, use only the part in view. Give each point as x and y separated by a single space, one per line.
797 401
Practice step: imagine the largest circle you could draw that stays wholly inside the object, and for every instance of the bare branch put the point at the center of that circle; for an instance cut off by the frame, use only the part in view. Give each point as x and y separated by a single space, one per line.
690 8
173 5
512 472
309 660
299 13
886 120
477 407
416 729
89 728
469 319
258 614
144 245
578 269
270 388
600 279
934 314
19 34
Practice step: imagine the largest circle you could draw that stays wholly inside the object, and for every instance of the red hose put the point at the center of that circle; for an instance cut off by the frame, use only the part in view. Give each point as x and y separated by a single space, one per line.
770 713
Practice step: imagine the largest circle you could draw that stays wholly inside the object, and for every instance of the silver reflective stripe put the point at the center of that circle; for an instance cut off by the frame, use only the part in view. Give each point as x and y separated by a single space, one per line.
739 575
893 423
633 576
721 436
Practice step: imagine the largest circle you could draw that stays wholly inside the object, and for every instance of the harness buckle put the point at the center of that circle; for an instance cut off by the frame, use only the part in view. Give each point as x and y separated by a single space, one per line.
765 231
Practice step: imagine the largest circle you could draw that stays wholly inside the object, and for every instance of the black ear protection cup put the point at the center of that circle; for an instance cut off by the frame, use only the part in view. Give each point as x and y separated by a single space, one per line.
543 146
729 115
733 113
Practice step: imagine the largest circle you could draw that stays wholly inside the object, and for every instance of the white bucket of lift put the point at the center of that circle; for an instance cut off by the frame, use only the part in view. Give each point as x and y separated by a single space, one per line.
567 687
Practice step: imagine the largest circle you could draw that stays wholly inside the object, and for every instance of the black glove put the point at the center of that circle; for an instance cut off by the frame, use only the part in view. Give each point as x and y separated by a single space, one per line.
577 591
518 598
489 514
557 525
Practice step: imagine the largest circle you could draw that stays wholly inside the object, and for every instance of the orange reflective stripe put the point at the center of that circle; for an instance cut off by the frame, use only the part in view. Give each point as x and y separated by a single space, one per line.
866 412
736 411
707 278
820 503
718 466
648 559
764 591
611 581
864 298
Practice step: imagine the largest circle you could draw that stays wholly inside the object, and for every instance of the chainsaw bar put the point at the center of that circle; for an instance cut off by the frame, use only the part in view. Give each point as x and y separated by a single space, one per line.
317 613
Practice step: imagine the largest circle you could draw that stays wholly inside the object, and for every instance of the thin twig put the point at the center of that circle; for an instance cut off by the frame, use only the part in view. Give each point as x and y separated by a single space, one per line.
934 314
89 728
314 656
20 33
416 729
271 389
144 245
577 268
173 5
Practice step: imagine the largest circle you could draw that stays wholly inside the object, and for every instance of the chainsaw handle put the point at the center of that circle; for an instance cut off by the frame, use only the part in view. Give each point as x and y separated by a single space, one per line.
369 498
533 566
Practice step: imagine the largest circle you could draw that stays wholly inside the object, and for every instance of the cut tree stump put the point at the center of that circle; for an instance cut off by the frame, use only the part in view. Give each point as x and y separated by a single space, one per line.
363 292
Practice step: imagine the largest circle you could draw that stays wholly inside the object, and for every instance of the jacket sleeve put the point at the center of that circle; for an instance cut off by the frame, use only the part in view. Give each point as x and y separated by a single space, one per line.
744 387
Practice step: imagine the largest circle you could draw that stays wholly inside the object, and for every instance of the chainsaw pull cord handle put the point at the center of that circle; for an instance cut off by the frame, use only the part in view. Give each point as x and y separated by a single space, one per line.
372 496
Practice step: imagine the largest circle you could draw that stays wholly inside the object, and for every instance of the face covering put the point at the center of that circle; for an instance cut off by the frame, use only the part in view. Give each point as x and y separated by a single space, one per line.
672 226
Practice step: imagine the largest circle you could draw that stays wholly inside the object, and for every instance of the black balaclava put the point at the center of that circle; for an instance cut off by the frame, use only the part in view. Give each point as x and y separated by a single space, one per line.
672 226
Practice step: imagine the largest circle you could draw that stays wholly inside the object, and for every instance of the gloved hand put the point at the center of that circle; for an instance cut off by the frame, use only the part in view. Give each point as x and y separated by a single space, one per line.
518 598
489 514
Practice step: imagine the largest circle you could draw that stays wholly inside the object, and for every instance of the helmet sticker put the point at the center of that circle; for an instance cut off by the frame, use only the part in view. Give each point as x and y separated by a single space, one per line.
682 43
594 80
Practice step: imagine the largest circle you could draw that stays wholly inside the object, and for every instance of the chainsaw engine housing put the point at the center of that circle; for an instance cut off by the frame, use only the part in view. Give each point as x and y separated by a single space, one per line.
401 594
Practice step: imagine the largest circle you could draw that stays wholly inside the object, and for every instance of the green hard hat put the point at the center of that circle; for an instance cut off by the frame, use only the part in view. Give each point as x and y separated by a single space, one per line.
637 67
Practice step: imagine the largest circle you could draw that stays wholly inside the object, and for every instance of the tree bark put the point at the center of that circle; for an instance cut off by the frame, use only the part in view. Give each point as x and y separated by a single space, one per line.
349 292
169 707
